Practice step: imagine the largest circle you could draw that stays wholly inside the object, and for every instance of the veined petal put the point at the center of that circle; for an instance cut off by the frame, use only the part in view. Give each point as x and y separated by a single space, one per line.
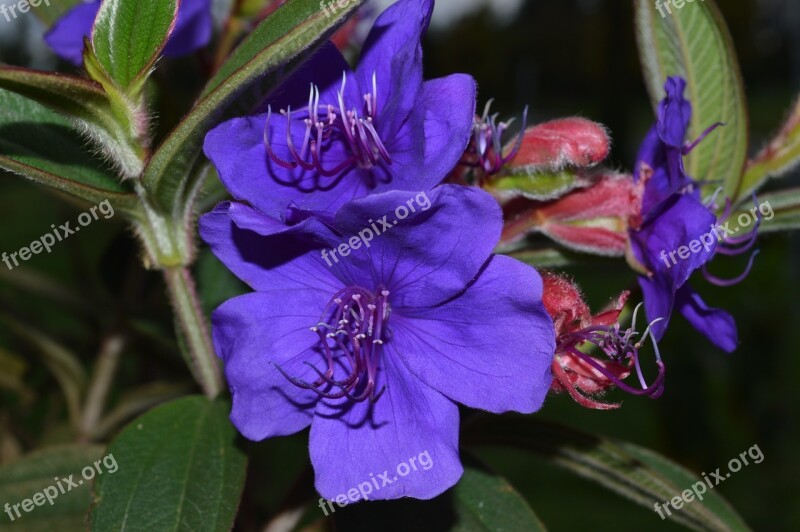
254 332
265 253
429 256
353 443
393 53
430 144
491 347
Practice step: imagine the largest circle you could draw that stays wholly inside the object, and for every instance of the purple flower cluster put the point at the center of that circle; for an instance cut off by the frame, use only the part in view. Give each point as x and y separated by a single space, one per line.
374 351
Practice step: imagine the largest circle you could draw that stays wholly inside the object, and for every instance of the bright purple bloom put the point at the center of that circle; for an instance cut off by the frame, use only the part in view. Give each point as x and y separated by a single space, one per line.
192 30
331 134
672 216
375 350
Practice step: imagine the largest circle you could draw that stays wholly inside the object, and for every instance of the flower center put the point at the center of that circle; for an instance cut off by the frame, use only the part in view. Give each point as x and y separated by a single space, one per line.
351 331
327 123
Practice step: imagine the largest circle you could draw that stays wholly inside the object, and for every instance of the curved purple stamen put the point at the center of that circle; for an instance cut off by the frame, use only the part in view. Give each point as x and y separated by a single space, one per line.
619 346
357 321
357 132
487 141
731 282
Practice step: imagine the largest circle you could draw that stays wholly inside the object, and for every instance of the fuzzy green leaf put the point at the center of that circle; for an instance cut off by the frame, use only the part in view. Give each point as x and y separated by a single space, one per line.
41 145
694 42
129 35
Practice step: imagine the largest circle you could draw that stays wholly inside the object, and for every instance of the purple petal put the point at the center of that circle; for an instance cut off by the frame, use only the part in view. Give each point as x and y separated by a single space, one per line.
430 144
430 255
324 69
659 300
675 113
393 53
489 348
715 324
67 34
192 29
682 222
265 253
353 443
254 332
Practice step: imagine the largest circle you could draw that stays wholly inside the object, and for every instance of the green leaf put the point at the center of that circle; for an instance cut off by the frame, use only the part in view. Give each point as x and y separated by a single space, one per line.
540 187
35 472
486 501
116 130
624 468
778 158
694 42
180 469
40 145
481 501
128 38
785 207
245 78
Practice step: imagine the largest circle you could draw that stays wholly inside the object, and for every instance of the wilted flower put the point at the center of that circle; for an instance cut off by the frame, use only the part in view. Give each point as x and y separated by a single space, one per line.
192 30
375 350
331 134
577 371
673 215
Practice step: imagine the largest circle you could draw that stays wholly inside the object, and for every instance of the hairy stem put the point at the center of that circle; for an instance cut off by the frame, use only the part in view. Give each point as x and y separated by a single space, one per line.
194 330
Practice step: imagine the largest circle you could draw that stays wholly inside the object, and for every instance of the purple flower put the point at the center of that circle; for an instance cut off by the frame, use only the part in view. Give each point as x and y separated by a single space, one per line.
331 134
192 30
374 348
673 215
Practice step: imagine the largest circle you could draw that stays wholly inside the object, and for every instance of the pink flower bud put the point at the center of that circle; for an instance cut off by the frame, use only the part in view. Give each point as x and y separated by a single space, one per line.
568 142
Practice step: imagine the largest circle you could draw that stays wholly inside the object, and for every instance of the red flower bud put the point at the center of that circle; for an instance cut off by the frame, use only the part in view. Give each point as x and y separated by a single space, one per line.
568 142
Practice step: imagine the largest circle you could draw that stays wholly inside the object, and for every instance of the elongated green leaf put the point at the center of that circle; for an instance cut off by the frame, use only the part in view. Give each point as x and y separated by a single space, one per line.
481 501
179 469
694 42
778 158
244 79
624 468
115 129
37 472
780 211
40 145
129 35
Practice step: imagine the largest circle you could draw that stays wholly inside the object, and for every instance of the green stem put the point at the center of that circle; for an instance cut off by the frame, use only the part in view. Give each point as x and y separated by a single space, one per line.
203 361
105 369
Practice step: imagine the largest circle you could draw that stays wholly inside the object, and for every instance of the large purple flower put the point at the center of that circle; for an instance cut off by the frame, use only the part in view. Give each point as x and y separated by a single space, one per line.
331 134
674 216
374 347
192 30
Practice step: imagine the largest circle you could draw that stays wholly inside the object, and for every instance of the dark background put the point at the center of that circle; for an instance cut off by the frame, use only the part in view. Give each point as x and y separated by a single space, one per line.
561 57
